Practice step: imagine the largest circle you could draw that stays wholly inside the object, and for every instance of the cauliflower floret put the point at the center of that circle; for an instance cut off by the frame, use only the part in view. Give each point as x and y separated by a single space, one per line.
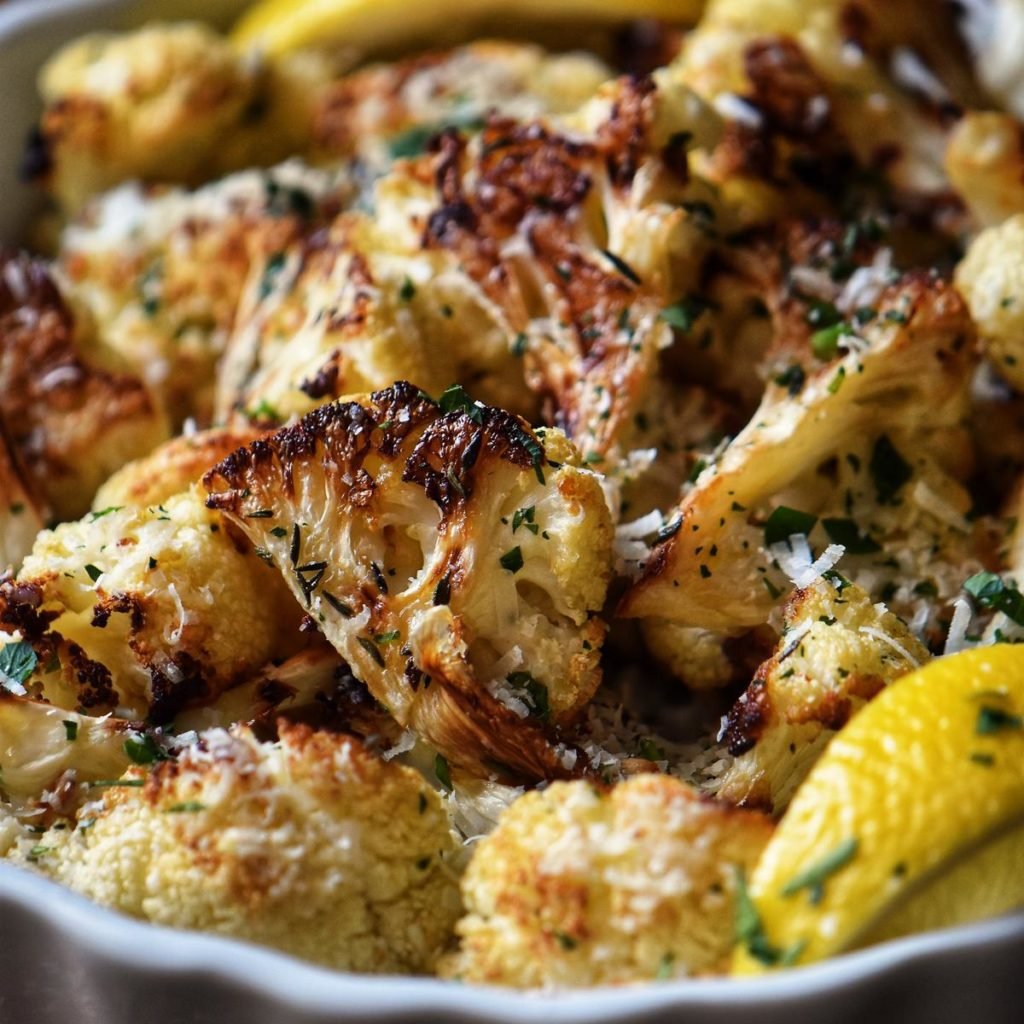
994 30
580 885
868 452
166 273
991 279
70 414
49 748
457 561
164 103
146 609
985 163
836 652
170 469
20 513
310 845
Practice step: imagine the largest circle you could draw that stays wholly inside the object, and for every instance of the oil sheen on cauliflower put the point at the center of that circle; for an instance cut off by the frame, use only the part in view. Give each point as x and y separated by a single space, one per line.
836 652
581 885
455 559
146 609
310 845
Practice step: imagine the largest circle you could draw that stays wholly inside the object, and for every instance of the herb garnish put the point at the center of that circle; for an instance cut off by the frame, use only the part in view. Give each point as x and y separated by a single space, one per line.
889 470
847 533
992 720
750 930
512 560
813 878
785 522
443 772
991 592
17 662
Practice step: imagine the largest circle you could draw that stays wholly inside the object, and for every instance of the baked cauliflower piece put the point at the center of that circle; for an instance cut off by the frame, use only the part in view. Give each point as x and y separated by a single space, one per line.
20 513
991 279
309 845
172 103
455 559
837 650
167 273
70 412
867 457
985 163
584 885
170 469
146 609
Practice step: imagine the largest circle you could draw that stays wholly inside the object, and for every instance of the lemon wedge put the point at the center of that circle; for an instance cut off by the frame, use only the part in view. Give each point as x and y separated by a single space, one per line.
277 27
912 819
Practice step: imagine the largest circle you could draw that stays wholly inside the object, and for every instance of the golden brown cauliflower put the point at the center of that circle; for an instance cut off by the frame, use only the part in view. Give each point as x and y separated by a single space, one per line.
167 273
310 845
837 650
866 452
991 279
455 559
147 609
581 885
985 163
166 103
70 413
20 513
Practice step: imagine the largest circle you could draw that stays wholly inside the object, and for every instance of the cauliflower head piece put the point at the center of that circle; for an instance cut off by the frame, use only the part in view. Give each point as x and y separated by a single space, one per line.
71 412
991 279
580 885
310 845
837 650
454 558
146 609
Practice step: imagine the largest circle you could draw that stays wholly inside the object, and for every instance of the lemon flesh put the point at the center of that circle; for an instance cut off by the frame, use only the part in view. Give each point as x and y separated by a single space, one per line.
912 819
277 27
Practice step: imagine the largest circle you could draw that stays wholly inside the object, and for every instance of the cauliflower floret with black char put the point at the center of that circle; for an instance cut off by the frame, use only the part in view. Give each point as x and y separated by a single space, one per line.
836 652
310 845
146 609
71 412
456 560
991 279
581 885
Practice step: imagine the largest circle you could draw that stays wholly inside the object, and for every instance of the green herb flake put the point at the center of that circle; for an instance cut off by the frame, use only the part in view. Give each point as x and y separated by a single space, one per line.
750 929
536 693
985 760
70 730
186 807
813 878
117 784
992 720
338 605
649 750
17 662
443 772
93 572
683 314
407 291
567 942
105 512
665 967
825 343
785 522
371 649
457 399
144 750
792 379
847 533
837 381
512 560
519 344
889 470
991 592
622 266
387 638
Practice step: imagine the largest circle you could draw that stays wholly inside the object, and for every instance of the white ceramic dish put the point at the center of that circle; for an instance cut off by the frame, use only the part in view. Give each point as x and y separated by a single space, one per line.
64 960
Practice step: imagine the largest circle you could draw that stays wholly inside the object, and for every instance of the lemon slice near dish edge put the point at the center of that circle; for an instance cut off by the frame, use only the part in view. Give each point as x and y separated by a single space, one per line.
278 27
912 819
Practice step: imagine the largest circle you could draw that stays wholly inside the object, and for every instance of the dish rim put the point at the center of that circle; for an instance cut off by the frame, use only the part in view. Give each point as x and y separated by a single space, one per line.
304 988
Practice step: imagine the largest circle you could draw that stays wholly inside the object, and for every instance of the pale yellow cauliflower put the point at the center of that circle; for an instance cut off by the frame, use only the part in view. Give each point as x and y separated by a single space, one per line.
581 885
310 845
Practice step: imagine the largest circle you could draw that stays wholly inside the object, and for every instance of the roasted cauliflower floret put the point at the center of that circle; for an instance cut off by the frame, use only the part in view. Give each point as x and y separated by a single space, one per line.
836 652
20 513
170 469
70 412
456 560
146 609
994 30
985 163
310 845
166 274
43 747
991 280
580 885
153 104
870 449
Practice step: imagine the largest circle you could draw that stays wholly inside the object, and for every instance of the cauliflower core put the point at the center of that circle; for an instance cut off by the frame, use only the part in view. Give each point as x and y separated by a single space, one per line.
310 845
456 560
586 886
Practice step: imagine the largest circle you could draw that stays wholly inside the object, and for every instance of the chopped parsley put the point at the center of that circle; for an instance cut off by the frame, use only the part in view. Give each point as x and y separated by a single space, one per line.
407 291
991 592
17 662
339 606
186 807
93 572
371 649
825 343
792 379
992 720
387 638
443 772
889 470
536 693
144 750
750 930
784 522
847 533
622 266
512 560
105 512
457 399
524 517
683 314
813 878
70 730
